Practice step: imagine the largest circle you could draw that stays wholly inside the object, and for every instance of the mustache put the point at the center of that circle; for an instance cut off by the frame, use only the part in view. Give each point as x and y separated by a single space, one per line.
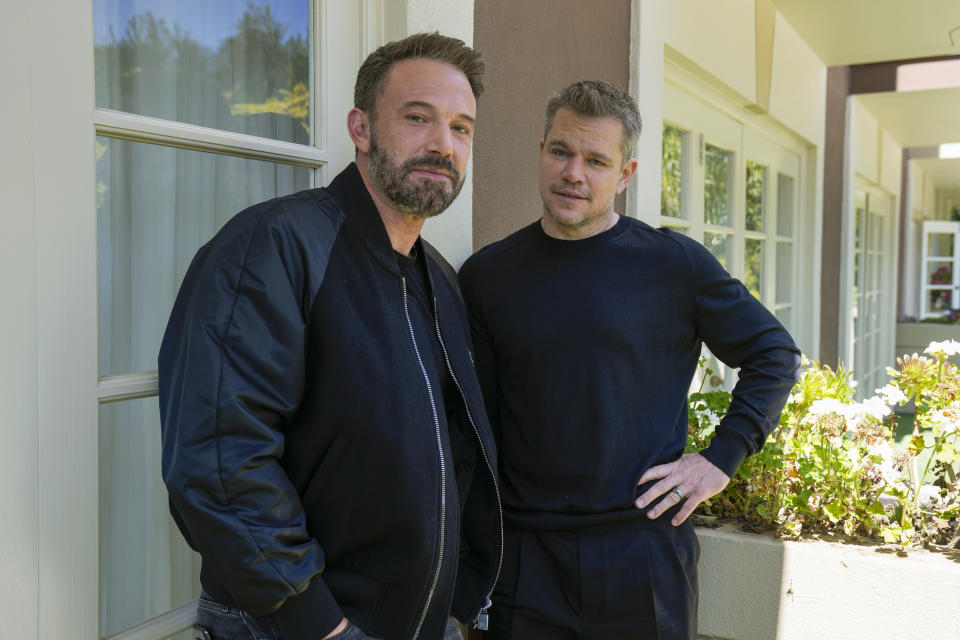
439 164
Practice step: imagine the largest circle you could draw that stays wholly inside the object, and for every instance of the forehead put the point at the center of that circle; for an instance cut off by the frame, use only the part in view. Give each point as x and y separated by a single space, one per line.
586 133
432 82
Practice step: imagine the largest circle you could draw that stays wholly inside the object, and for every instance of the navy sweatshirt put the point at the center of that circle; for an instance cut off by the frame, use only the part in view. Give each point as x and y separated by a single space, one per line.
586 350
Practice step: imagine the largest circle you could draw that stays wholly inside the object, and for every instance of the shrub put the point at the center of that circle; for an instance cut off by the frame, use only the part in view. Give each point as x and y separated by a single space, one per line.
830 465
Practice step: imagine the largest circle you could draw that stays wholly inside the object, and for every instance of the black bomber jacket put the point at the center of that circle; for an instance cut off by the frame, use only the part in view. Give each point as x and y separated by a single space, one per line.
298 443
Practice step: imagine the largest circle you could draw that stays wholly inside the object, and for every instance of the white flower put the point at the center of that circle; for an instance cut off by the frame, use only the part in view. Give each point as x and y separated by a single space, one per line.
947 424
947 348
892 394
875 407
712 418
827 405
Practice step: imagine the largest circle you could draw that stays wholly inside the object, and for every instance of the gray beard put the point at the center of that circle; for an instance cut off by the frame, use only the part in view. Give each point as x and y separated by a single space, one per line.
422 200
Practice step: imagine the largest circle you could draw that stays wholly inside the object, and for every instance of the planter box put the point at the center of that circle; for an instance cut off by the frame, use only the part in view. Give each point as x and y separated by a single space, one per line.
755 587
913 337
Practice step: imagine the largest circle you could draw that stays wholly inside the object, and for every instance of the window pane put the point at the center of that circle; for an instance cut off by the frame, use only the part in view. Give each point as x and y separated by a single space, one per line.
784 205
671 185
155 207
938 300
720 246
756 181
785 316
939 272
236 66
146 567
784 272
753 266
940 244
717 181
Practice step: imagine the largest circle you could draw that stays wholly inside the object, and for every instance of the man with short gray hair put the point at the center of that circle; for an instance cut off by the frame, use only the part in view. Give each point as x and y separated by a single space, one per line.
587 329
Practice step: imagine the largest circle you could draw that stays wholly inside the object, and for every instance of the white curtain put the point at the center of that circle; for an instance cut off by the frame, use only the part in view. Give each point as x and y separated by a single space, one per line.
156 206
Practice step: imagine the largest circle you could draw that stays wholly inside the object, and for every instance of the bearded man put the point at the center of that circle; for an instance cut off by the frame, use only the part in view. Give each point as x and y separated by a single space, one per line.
324 437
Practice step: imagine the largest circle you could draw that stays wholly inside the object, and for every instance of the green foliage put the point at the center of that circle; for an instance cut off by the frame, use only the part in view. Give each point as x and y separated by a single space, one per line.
830 466
671 182
716 184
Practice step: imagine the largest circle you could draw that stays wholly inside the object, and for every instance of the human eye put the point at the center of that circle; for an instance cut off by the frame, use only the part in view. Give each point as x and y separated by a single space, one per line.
462 129
558 152
416 117
597 162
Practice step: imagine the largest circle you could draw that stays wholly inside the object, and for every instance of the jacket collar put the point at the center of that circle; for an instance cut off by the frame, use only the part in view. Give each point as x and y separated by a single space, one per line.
361 215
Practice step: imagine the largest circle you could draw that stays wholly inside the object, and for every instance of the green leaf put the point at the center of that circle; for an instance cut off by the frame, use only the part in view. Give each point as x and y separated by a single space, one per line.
835 511
876 509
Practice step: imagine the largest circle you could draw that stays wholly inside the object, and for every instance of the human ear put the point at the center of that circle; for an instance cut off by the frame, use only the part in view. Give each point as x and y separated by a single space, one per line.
629 168
358 126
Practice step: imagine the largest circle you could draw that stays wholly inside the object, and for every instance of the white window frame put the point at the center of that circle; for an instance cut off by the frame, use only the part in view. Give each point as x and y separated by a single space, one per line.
351 30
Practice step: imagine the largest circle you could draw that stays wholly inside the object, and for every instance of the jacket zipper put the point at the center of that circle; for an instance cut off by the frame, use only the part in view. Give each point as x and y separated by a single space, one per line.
479 621
443 472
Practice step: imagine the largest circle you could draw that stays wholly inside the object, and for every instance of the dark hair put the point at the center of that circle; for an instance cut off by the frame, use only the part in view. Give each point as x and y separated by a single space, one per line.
374 70
599 99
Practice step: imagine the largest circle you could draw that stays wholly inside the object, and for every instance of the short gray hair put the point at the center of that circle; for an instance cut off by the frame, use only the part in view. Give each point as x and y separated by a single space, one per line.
599 99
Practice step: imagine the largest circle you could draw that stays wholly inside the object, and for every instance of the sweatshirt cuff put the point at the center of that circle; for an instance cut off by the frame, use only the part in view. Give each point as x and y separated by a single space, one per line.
726 452
309 615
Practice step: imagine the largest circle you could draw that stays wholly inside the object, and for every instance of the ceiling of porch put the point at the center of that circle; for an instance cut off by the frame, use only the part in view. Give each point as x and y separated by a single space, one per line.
851 32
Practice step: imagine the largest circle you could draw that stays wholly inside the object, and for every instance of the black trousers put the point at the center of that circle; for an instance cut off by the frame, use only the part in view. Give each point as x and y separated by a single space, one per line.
628 585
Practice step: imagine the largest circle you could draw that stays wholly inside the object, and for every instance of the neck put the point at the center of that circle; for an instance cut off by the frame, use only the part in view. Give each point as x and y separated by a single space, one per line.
402 228
577 232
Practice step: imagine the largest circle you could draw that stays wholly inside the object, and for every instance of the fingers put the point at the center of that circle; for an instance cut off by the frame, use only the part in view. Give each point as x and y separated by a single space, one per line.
659 471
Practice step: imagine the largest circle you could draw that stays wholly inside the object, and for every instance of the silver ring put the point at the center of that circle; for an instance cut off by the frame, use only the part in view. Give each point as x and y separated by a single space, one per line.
677 491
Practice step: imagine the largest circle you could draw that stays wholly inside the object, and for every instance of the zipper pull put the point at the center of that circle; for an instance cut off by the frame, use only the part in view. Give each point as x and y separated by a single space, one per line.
482 621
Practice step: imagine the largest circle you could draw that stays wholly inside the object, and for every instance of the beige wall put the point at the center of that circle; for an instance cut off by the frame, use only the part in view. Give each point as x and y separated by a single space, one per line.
719 38
531 49
450 232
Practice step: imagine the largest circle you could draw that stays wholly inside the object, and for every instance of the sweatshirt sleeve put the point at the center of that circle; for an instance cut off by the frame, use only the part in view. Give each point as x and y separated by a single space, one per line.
484 354
232 373
744 335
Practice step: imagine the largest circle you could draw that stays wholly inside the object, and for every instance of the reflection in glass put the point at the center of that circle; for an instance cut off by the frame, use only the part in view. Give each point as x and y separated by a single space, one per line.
784 272
717 184
784 205
756 179
939 300
720 246
940 244
939 272
146 567
785 316
155 207
236 66
671 184
753 266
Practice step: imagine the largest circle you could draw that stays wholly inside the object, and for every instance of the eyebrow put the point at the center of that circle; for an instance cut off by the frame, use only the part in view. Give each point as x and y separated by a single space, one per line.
592 154
413 104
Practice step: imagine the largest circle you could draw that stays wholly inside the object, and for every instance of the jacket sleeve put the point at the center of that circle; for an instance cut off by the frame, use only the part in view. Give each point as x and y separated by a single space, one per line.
744 335
232 373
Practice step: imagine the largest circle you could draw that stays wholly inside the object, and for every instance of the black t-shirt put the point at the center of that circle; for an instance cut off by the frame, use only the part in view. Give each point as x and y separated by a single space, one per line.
420 310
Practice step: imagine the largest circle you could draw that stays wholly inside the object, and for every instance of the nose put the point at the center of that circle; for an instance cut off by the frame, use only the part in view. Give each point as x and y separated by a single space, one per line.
573 170
441 140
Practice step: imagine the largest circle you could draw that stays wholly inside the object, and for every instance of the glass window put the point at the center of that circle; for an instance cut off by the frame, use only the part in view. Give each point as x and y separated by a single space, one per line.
146 567
236 66
756 185
721 246
784 292
753 267
671 185
784 205
718 178
156 206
